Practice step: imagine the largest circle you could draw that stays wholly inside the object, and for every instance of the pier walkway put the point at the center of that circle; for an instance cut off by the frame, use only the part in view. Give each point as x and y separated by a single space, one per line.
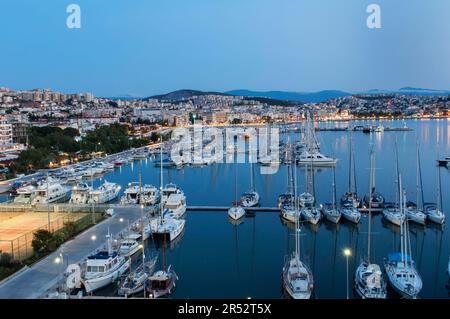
226 208
33 282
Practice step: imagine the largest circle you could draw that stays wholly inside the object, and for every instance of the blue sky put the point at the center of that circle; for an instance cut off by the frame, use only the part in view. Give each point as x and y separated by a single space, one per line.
145 47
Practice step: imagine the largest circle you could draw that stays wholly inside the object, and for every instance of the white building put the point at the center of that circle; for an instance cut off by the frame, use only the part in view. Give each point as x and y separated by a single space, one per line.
6 136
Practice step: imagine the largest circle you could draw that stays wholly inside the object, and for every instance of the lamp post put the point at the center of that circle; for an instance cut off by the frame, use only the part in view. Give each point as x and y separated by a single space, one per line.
347 254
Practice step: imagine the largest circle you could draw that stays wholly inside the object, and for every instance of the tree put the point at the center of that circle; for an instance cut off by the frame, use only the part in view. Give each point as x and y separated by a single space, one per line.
42 241
70 229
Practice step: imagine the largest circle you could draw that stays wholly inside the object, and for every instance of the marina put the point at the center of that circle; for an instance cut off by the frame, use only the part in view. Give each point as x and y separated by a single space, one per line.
209 240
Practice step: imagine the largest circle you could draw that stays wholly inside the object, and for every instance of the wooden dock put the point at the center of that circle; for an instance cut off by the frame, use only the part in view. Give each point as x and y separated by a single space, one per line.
225 208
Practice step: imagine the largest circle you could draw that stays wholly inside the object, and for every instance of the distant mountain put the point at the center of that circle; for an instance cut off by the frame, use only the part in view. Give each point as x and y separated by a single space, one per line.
420 91
306 97
409 91
182 94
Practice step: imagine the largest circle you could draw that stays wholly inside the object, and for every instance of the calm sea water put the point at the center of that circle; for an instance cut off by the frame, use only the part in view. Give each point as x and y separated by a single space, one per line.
215 259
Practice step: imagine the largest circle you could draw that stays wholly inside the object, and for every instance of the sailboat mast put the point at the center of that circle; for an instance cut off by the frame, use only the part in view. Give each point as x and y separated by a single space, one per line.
417 177
334 188
402 230
297 246
251 172
420 177
355 187
350 166
161 169
372 164
439 192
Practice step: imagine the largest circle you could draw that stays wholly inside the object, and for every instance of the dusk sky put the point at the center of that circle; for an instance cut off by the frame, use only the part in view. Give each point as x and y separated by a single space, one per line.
145 47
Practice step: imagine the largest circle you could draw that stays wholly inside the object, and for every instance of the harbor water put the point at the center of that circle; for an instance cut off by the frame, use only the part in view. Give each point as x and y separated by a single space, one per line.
216 259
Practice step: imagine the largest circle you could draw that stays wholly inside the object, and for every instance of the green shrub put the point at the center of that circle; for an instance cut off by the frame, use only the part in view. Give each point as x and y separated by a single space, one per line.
5 259
41 241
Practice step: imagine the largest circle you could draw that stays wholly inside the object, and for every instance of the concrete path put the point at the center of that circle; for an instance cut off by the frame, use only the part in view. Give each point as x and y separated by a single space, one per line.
37 279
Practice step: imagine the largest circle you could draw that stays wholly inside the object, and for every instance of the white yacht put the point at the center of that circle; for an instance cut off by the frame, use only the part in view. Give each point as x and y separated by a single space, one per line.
49 191
393 214
80 194
104 268
434 213
288 212
298 280
25 195
400 267
311 153
167 228
176 205
330 210
168 190
236 212
131 194
415 214
150 195
369 281
311 214
251 198
315 159
128 247
105 193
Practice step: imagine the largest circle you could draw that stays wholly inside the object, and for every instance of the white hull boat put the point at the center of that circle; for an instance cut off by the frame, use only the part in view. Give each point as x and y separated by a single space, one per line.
250 199
236 212
167 228
103 269
351 214
311 214
369 282
105 193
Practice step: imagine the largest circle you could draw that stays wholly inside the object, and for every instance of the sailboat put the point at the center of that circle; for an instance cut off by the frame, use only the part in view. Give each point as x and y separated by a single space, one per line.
298 281
369 281
307 200
375 198
162 282
413 211
330 211
164 227
236 211
400 267
287 198
251 198
434 210
393 212
311 154
350 201
136 280
289 209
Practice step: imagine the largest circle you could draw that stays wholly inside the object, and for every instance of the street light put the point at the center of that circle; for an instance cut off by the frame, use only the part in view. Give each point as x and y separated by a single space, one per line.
93 237
121 220
347 254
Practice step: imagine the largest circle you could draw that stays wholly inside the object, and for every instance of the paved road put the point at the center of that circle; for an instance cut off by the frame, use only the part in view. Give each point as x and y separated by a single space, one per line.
36 280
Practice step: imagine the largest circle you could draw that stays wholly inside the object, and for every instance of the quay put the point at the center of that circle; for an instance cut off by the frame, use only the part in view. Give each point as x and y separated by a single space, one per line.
33 282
